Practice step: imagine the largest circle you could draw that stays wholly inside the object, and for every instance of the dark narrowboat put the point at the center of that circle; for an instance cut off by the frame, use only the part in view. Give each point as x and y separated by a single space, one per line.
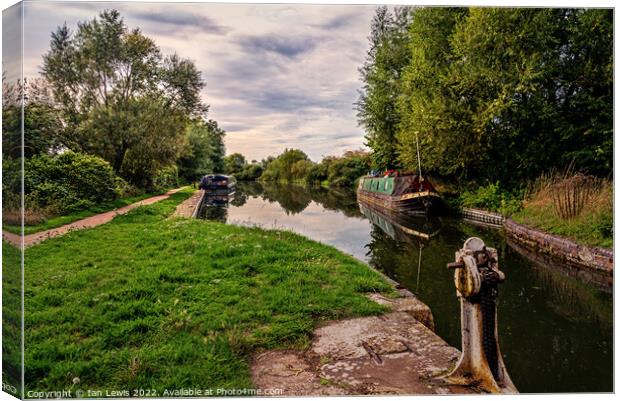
218 184
407 193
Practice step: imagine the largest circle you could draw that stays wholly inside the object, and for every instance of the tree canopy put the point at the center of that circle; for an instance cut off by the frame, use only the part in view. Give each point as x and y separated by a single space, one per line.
492 93
119 97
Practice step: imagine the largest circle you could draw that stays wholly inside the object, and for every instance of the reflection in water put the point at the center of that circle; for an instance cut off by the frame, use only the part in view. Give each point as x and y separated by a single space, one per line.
215 207
556 333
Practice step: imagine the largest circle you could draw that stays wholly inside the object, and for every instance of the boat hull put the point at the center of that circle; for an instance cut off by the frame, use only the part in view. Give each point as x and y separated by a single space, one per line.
422 202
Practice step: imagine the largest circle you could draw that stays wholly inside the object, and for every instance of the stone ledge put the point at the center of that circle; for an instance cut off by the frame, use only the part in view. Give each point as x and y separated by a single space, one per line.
594 263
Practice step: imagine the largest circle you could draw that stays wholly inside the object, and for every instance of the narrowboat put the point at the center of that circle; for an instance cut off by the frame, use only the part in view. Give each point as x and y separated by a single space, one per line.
408 193
218 184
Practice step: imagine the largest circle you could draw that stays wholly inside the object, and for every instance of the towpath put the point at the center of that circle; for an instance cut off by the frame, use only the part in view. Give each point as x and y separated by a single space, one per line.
89 222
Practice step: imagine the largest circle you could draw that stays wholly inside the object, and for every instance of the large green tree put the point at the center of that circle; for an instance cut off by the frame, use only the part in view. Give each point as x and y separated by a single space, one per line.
429 114
385 60
120 98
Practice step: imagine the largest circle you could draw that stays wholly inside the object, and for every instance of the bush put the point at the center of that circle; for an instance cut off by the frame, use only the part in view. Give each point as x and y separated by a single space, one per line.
166 178
68 182
344 171
250 172
493 198
317 174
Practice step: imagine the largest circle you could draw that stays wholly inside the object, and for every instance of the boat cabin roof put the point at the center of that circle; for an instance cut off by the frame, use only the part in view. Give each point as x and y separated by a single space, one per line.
216 177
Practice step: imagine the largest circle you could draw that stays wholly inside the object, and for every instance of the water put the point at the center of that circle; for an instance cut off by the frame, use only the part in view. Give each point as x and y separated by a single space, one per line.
556 334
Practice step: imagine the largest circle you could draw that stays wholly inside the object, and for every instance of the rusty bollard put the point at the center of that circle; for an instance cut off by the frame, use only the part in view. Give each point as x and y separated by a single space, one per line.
476 278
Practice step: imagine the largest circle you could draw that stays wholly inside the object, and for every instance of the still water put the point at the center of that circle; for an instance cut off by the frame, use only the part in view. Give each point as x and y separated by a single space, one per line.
556 333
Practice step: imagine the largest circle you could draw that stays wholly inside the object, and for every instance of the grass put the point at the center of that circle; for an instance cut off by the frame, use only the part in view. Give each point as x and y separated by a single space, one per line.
58 221
11 319
152 302
591 224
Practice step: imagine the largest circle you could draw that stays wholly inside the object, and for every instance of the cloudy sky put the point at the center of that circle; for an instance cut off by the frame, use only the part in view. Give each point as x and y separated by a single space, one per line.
277 75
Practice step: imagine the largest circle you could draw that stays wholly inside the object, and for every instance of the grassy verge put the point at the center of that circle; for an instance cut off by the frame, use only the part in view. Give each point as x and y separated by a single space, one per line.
58 221
592 229
156 303
11 319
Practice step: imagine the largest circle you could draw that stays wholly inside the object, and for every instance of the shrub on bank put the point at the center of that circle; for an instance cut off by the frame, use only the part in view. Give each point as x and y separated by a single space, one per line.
166 178
67 182
493 198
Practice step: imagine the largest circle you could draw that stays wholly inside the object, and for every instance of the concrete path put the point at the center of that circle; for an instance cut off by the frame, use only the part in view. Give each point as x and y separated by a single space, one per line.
394 353
189 207
89 222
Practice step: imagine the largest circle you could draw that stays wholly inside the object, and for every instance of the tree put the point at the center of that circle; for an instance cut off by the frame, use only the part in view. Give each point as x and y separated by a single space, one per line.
286 168
234 163
385 61
204 150
42 124
506 94
430 115
119 78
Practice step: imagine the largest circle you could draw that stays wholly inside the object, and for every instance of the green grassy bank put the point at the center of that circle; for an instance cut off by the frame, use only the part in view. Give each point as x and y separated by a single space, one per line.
150 302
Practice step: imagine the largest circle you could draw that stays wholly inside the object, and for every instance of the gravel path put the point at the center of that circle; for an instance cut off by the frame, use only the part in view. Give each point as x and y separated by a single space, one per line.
89 222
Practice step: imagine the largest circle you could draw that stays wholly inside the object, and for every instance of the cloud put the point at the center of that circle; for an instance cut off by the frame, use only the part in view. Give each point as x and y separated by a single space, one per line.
337 22
278 76
177 19
284 46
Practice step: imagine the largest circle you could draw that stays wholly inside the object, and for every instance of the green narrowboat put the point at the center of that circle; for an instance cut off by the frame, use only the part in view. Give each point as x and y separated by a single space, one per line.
406 193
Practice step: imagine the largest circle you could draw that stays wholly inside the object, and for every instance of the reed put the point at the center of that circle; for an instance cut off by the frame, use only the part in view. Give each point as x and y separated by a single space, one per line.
570 204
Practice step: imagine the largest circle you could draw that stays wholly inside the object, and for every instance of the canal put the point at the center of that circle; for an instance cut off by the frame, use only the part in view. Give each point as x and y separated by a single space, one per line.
556 334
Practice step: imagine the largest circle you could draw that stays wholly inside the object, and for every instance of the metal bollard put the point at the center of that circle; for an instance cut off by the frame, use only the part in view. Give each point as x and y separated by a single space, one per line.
476 278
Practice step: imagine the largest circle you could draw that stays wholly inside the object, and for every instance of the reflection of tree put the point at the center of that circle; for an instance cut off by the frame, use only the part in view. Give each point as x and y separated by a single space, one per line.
339 199
239 199
250 188
293 198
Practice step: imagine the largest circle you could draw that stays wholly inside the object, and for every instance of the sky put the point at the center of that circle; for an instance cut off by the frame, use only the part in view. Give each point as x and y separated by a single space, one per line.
277 76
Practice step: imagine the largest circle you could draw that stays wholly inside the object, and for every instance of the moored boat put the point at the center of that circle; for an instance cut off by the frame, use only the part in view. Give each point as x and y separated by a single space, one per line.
409 193
218 184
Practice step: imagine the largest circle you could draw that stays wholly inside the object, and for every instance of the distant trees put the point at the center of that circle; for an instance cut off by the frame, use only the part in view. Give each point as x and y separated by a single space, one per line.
119 97
234 163
289 166
293 165
491 93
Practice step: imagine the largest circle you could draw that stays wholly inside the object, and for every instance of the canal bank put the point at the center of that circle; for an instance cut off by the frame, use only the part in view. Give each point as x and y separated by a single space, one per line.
572 322
184 301
396 352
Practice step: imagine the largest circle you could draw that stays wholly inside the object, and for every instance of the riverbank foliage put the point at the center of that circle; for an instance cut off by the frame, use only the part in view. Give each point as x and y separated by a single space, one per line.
124 111
493 198
491 94
151 302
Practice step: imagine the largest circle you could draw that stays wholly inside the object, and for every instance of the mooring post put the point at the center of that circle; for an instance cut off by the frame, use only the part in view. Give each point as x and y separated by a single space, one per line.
476 278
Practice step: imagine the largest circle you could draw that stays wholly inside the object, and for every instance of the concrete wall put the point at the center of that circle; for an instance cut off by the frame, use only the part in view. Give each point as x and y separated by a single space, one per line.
590 264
